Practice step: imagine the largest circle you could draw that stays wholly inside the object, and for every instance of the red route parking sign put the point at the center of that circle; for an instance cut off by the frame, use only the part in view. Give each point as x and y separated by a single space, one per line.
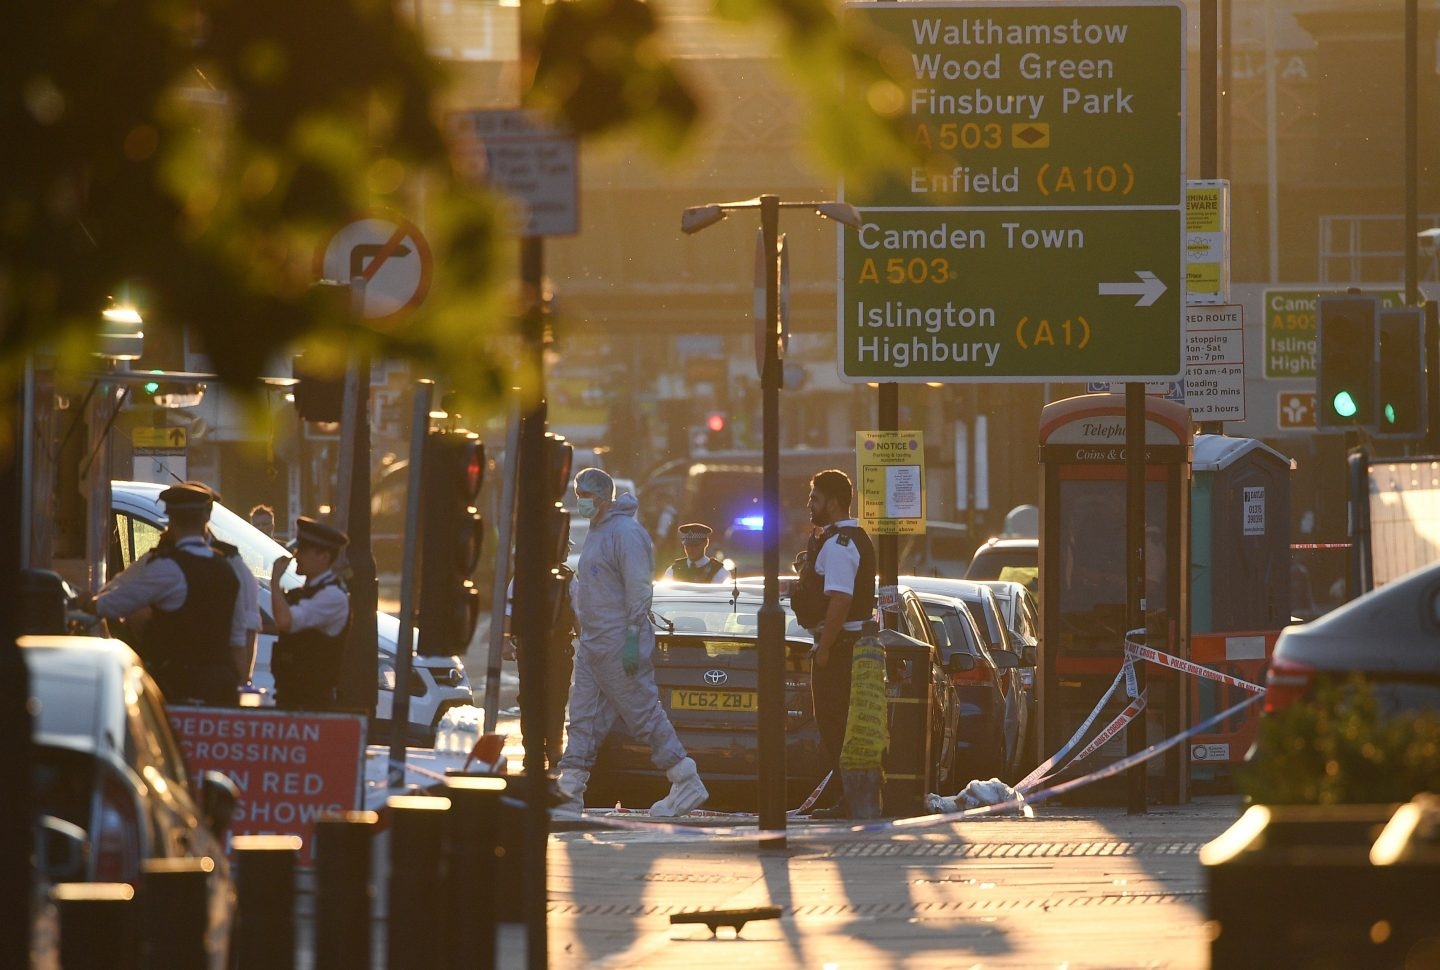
291 767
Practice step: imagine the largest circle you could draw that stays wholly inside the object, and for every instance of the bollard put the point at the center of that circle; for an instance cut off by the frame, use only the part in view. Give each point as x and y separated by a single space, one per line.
908 664
97 925
473 862
175 912
264 937
417 873
344 894
1349 910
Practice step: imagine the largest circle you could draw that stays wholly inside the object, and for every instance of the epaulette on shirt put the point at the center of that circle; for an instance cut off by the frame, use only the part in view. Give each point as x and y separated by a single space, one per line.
841 539
224 548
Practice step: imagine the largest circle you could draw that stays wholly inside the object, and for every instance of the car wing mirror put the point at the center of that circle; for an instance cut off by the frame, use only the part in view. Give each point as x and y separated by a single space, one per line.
1029 656
959 662
62 849
1005 659
219 797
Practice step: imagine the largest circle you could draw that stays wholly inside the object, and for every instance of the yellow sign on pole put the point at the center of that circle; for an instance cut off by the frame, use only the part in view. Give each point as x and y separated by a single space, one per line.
162 439
891 489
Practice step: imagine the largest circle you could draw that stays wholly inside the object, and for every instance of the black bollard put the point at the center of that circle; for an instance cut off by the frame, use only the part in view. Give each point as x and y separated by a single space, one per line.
264 936
344 894
175 912
97 925
472 860
908 761
417 873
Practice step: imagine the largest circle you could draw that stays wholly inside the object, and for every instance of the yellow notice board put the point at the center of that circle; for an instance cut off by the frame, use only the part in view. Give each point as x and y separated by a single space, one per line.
891 489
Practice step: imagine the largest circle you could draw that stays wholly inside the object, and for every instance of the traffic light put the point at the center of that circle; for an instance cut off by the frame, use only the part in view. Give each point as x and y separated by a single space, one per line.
451 537
172 391
318 397
1400 376
717 431
555 530
1345 376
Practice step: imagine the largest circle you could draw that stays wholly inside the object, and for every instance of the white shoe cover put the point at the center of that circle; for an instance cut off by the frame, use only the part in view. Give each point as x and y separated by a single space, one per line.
687 792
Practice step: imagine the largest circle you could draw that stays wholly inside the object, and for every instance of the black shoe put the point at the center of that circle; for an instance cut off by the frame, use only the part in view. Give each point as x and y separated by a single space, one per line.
837 811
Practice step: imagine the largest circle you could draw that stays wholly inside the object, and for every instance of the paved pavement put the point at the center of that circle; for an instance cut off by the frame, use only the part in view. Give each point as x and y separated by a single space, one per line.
1071 887
1067 888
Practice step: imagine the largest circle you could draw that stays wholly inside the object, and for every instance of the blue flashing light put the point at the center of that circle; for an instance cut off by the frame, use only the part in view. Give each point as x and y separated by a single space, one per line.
751 523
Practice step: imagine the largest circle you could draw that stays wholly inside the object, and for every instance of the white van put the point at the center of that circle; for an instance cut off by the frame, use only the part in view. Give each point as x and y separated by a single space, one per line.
436 683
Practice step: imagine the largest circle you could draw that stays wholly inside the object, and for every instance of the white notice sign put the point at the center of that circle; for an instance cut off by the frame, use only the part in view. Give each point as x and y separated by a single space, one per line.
1254 498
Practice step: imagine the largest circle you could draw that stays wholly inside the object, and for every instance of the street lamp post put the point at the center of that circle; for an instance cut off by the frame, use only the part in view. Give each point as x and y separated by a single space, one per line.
771 618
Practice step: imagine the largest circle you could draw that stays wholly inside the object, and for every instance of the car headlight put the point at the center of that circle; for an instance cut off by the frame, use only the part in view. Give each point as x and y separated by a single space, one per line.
450 677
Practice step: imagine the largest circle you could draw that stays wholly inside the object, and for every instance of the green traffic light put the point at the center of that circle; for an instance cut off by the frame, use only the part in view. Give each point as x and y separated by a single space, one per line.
153 387
1344 404
1389 413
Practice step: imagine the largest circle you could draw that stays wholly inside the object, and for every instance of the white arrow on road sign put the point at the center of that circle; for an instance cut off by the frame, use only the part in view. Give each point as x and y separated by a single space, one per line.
1149 289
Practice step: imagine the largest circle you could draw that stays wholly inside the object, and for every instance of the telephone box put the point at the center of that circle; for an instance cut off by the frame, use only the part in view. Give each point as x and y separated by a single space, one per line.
1083 579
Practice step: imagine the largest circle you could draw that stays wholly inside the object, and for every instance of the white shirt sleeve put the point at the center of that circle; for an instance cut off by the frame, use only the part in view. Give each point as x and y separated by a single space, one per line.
326 611
153 581
247 604
838 564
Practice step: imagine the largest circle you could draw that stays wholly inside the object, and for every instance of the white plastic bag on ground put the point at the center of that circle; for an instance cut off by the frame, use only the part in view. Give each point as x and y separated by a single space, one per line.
975 795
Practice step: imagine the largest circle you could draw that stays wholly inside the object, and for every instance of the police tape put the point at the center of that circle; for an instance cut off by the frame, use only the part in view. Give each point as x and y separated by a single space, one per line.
1133 650
1028 792
1048 765
1140 651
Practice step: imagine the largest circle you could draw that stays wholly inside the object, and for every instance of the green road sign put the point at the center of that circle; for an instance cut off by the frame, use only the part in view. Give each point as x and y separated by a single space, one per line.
1042 238
1290 341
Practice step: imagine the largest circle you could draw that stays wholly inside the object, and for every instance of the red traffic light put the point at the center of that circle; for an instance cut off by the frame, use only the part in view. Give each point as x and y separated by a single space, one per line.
558 457
715 422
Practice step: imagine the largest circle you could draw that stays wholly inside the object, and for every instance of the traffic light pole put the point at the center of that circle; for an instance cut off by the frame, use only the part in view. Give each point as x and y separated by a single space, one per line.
400 703
527 616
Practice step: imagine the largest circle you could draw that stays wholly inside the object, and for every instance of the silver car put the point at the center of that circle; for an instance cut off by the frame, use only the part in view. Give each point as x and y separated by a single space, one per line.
108 769
436 683
1390 636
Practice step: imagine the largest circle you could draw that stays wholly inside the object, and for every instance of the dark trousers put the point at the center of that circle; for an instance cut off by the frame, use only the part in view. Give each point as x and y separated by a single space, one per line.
557 696
212 685
830 699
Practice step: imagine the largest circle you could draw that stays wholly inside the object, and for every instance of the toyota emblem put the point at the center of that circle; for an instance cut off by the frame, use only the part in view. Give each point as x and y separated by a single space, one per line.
716 677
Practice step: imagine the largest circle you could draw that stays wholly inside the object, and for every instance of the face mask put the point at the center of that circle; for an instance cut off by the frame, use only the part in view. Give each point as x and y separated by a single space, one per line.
587 508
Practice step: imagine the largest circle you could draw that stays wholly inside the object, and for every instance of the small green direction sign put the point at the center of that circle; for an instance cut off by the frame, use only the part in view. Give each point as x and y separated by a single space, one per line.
1291 346
1042 237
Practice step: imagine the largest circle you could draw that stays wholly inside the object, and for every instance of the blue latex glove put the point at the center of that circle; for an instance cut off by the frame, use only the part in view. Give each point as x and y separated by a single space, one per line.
630 657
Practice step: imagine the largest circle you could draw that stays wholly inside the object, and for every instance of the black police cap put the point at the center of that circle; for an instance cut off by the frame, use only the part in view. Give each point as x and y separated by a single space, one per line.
189 495
313 532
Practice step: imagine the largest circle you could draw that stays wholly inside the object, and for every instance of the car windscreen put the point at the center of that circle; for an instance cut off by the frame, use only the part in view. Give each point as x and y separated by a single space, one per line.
715 615
994 563
257 549
66 702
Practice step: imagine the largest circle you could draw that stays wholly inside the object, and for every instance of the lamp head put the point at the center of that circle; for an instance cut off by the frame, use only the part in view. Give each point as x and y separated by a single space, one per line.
698 217
842 212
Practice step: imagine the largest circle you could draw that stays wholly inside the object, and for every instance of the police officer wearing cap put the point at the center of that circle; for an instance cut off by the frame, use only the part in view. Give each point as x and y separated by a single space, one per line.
187 595
695 566
312 620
